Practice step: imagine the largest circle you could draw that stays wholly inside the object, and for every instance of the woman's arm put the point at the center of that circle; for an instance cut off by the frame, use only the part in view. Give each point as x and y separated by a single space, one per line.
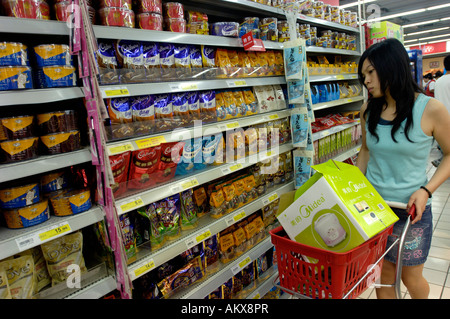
363 155
436 122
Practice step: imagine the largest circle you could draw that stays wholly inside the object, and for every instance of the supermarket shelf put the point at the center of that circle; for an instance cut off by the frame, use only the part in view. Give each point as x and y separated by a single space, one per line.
13 241
32 26
313 49
137 143
325 105
332 77
225 272
264 284
104 32
37 96
349 153
182 183
207 227
43 164
185 86
255 8
333 130
94 284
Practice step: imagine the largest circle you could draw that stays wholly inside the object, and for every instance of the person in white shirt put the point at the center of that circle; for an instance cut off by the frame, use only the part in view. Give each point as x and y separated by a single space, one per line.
442 92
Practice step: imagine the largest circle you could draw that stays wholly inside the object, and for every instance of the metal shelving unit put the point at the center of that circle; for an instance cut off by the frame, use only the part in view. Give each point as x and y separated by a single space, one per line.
37 96
136 143
182 183
325 105
208 226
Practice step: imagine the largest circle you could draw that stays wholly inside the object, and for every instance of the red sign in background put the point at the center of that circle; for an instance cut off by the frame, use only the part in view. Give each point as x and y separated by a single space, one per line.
431 48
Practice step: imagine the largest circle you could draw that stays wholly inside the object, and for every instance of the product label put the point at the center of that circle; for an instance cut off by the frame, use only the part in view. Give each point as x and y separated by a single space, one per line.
18 123
15 147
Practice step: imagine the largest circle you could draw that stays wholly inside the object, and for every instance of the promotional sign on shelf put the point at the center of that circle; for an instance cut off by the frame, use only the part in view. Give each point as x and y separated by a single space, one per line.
252 44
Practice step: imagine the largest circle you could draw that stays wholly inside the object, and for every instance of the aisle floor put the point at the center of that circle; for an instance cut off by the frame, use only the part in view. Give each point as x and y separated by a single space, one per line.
437 267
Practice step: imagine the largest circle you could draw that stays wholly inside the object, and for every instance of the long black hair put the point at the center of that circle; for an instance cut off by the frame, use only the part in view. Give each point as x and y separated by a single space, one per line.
392 63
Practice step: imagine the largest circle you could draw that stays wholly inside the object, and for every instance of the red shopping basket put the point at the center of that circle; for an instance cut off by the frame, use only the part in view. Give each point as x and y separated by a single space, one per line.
324 274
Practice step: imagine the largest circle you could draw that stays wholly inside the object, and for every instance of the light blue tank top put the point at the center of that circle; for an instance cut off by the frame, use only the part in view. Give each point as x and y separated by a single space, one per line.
397 170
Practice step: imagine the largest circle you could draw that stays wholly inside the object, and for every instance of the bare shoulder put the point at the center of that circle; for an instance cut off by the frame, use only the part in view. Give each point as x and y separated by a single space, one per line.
436 109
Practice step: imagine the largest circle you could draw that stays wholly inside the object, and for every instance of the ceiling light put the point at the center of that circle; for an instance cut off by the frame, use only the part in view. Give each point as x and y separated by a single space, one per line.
410 13
420 23
435 36
427 31
355 3
407 41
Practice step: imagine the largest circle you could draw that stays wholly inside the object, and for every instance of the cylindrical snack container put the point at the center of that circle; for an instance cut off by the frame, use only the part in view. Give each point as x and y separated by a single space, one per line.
71 203
18 150
175 25
27 216
19 196
150 21
54 181
53 55
154 6
15 78
57 121
31 9
127 4
62 142
117 17
56 76
17 127
13 53
62 14
173 10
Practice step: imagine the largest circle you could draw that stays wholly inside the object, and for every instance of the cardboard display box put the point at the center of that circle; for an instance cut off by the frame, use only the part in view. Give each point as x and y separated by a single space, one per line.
336 209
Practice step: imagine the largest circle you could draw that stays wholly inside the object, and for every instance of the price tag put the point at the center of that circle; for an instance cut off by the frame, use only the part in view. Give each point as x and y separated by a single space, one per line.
114 92
273 117
188 86
56 231
339 77
197 239
232 168
150 142
235 83
138 202
235 218
254 295
43 235
241 265
113 150
144 268
182 186
270 199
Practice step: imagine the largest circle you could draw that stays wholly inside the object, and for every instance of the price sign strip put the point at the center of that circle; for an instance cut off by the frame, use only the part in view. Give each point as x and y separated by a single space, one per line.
43 235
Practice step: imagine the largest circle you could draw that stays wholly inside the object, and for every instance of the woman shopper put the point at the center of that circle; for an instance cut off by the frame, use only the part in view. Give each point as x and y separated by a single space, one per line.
399 123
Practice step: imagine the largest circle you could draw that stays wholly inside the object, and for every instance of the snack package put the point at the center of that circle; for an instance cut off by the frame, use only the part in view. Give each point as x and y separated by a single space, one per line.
167 60
207 100
241 106
20 274
169 212
231 110
163 112
250 101
218 205
193 102
210 144
182 61
61 252
170 156
211 254
155 225
226 246
129 241
4 286
209 61
120 164
222 62
180 107
143 112
131 60
189 217
151 59
143 167
299 126
200 201
107 62
192 153
42 277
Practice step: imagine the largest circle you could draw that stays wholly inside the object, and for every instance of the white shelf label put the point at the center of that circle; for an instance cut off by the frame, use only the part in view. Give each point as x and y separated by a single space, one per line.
184 185
236 83
144 268
235 218
114 150
43 235
135 203
109 92
232 168
198 238
241 265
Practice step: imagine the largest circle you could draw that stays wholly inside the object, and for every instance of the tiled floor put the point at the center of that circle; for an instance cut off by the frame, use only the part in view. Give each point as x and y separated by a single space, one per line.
437 267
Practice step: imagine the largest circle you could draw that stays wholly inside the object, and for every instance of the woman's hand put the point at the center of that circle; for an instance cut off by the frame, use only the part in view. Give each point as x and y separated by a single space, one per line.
419 199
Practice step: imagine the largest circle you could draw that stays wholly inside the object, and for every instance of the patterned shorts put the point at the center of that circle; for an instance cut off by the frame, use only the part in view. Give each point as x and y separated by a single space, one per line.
417 241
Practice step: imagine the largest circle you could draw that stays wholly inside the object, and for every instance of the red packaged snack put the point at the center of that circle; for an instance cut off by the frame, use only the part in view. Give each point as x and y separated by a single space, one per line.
154 6
150 21
117 17
170 156
144 164
173 10
175 25
32 9
115 4
120 164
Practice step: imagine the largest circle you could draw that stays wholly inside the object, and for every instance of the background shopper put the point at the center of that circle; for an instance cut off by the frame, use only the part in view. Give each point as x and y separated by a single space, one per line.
399 123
